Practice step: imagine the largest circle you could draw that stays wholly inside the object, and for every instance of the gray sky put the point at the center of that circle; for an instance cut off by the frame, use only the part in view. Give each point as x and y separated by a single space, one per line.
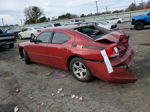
12 11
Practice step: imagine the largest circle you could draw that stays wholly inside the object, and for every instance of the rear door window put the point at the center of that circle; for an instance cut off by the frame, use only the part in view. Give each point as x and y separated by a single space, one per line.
59 38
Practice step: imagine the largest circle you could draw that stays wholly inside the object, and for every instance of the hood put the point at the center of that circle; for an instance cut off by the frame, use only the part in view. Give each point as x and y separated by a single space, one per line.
139 17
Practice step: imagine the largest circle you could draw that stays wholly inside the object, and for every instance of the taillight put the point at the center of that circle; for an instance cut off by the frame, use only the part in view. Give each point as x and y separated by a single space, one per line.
112 51
115 52
38 30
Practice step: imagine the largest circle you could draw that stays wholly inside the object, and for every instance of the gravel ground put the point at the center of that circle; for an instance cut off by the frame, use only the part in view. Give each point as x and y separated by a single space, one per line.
32 89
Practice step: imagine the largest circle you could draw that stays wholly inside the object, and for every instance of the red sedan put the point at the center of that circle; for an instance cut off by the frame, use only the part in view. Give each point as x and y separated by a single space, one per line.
85 51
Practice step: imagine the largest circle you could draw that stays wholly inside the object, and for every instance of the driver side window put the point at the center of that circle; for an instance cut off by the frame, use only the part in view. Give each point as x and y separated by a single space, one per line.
45 37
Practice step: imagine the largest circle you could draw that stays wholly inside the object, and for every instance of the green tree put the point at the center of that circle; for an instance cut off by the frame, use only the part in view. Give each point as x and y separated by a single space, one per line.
132 7
32 13
42 19
67 16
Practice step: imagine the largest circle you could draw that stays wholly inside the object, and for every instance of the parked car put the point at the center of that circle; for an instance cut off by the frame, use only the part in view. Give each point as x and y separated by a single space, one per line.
90 23
52 25
107 25
30 32
102 24
14 32
141 20
7 39
116 20
85 51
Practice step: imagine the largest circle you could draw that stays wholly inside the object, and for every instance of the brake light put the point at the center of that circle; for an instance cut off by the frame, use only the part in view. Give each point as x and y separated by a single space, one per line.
113 52
38 30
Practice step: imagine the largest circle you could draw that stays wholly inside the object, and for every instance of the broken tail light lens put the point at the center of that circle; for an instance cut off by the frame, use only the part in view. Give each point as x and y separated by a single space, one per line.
115 52
112 51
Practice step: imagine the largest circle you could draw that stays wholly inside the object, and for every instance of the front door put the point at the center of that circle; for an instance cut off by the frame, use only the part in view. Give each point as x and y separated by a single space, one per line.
38 50
59 49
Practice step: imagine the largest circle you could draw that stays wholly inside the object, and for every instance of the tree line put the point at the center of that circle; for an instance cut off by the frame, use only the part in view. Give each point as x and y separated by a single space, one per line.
35 14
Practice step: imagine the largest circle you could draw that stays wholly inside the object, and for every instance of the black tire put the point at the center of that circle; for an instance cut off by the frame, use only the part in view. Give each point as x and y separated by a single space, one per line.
11 45
26 57
32 36
139 25
80 70
20 37
119 22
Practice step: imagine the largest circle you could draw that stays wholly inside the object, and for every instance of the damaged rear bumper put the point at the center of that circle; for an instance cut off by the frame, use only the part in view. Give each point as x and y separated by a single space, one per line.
119 74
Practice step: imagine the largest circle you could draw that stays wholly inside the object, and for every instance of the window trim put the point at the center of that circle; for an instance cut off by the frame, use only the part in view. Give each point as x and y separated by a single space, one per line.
59 32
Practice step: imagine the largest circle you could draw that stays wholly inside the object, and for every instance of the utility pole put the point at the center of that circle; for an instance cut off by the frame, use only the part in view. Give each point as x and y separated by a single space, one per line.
96 7
21 21
106 9
2 21
142 4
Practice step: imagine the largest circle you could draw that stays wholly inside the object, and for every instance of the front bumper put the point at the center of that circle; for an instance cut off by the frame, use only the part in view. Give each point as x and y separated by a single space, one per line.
120 74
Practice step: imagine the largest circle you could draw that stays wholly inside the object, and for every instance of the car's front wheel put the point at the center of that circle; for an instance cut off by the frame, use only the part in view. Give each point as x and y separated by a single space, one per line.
26 57
80 70
20 37
139 25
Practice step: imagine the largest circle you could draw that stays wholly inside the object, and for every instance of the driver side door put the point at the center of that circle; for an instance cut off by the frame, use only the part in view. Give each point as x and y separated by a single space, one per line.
38 50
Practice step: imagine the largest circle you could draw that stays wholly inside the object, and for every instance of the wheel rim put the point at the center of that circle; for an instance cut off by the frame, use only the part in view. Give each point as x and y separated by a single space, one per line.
79 70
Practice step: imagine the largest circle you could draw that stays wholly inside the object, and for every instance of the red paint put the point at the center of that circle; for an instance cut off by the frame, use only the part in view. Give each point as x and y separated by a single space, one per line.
58 54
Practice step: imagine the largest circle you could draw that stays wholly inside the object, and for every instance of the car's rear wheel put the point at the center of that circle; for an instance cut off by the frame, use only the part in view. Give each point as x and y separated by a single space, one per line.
26 57
80 70
11 45
20 37
139 25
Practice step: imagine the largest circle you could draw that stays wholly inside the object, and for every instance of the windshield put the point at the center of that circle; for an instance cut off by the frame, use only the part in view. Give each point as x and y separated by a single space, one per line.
93 32
147 13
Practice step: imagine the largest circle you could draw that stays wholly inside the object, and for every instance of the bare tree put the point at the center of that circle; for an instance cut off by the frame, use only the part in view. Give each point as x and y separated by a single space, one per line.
32 13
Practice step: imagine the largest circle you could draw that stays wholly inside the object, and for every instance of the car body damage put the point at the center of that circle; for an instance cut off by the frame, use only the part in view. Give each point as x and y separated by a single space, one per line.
88 51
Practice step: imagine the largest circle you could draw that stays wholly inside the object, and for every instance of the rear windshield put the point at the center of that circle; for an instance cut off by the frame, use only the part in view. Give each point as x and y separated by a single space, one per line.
93 32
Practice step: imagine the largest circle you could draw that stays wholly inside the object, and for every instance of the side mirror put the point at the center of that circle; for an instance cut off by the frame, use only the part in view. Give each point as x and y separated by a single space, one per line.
35 40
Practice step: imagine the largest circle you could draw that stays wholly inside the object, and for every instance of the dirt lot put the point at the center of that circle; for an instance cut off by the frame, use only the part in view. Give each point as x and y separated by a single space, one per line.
36 85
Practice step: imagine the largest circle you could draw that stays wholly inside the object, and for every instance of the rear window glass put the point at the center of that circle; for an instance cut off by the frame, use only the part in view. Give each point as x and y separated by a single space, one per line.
60 38
92 31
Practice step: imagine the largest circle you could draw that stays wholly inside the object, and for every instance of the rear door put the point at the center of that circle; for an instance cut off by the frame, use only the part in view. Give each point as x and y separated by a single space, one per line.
38 50
59 49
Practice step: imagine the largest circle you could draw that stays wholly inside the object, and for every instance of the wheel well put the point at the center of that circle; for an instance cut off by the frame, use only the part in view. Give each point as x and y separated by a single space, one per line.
21 52
70 58
139 21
